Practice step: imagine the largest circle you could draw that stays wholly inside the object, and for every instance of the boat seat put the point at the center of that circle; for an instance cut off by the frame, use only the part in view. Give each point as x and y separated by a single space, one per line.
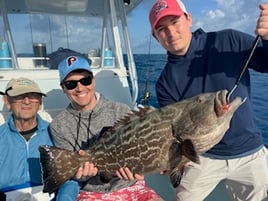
44 114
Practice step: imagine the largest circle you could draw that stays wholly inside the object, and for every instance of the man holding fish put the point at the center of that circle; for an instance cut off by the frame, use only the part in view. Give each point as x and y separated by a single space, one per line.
80 125
200 62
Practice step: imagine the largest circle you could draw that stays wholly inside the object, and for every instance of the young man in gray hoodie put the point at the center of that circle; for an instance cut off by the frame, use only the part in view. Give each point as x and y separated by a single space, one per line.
81 124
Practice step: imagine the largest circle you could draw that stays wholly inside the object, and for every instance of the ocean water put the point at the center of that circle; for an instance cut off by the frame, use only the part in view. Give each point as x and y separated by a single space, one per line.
149 68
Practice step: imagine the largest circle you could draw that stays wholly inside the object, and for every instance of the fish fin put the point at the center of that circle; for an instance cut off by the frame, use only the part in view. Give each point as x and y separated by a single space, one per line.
131 116
144 110
53 162
188 150
135 114
175 176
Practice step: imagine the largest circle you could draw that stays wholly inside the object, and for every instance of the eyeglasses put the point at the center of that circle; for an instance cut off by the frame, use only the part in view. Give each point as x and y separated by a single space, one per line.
72 84
33 97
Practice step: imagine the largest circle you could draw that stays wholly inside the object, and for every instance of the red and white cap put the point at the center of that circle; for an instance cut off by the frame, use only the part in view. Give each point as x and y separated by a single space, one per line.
164 8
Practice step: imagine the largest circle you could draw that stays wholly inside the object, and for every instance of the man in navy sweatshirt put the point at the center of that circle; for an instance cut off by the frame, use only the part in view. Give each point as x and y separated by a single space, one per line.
200 62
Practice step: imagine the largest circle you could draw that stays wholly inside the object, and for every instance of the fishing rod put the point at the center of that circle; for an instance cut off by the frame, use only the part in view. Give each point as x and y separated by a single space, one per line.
147 94
244 67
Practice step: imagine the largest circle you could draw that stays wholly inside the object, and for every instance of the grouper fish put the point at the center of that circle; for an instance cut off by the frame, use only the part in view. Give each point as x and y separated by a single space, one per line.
148 141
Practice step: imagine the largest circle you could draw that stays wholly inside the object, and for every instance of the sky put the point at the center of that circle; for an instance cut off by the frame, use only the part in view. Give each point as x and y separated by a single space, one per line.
210 15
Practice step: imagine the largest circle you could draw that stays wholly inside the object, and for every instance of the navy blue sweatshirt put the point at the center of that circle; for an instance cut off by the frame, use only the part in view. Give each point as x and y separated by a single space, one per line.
213 62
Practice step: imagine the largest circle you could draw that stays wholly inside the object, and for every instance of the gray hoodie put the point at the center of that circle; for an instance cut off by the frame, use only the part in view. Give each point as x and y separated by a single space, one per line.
74 130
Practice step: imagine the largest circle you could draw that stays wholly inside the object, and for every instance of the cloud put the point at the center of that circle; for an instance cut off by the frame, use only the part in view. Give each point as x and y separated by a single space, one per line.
215 14
241 15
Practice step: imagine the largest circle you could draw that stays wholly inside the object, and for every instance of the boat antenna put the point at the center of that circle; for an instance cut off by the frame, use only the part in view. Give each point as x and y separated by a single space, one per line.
147 94
31 28
66 29
50 34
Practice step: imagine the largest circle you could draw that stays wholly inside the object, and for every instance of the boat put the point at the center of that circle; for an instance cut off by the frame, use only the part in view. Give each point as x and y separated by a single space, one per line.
112 60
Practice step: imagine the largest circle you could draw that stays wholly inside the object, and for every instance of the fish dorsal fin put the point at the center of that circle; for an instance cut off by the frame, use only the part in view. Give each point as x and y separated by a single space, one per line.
132 116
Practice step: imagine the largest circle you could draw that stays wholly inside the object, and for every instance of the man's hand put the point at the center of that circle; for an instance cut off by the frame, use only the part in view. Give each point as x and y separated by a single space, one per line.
126 174
262 24
87 170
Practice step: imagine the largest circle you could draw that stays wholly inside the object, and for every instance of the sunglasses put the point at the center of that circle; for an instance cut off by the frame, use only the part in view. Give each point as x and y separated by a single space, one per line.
32 97
72 84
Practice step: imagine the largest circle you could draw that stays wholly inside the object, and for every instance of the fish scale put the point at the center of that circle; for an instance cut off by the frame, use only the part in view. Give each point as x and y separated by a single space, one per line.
148 141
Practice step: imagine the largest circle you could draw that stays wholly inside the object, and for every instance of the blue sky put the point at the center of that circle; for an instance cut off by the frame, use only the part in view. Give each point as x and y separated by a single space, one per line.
211 15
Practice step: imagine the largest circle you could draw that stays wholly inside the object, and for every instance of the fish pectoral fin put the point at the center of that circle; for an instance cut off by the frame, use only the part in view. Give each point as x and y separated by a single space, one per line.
105 177
188 150
175 176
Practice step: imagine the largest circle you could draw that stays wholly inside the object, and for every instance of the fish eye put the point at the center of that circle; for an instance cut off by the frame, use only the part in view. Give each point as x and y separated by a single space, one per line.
200 99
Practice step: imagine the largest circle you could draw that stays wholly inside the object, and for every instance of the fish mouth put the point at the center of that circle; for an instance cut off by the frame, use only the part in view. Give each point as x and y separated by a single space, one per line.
234 104
222 106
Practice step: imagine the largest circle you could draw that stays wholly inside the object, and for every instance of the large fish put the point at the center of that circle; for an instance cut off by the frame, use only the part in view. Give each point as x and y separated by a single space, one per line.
148 141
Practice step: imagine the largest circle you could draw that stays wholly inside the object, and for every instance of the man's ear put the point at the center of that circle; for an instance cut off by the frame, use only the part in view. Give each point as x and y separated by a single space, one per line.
41 106
155 36
94 82
62 87
189 18
6 102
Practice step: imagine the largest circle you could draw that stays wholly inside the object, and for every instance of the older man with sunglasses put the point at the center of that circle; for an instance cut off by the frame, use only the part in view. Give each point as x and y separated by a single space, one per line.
80 125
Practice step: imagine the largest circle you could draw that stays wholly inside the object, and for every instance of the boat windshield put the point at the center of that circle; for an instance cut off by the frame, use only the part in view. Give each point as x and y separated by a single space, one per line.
37 35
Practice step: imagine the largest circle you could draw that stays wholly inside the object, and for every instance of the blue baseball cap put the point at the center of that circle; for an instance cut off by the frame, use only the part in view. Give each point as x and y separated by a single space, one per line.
72 63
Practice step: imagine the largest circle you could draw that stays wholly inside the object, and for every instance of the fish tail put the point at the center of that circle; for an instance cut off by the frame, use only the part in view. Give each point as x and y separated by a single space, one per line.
53 162
189 151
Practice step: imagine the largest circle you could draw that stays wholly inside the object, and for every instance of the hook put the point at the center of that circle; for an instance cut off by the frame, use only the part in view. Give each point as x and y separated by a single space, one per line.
244 68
